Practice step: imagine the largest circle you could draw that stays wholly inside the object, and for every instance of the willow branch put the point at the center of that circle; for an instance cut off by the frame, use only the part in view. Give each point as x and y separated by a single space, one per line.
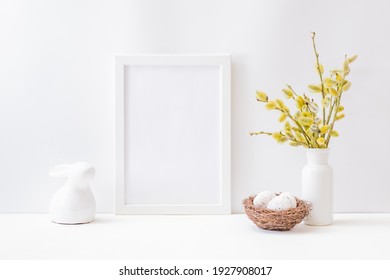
320 74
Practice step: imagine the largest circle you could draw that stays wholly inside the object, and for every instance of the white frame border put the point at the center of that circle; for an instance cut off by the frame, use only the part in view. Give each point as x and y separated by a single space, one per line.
225 189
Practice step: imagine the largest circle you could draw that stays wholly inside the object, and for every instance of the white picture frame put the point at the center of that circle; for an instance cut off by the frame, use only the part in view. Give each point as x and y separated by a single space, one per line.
173 134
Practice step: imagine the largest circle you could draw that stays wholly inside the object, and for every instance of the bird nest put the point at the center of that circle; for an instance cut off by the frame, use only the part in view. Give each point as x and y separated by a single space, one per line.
276 220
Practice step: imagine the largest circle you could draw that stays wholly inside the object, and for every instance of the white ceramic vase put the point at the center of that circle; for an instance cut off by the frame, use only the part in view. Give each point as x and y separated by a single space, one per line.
317 187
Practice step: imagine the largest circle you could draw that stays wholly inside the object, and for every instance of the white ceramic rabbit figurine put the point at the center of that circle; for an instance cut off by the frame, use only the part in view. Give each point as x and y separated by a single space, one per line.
74 202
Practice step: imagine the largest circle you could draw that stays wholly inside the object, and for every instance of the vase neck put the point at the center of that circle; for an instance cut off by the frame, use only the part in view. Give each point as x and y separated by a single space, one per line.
317 156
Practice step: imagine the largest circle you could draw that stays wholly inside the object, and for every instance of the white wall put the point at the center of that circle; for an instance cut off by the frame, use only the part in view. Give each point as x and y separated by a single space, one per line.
57 88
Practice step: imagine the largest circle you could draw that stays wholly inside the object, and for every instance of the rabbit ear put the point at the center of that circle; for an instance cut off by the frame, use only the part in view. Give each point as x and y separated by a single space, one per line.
60 170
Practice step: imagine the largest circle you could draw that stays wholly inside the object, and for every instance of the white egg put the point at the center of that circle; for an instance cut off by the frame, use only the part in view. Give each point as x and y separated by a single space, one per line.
294 201
262 199
280 203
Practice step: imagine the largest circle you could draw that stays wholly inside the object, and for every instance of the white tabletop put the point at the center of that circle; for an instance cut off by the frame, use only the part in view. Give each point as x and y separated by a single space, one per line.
33 236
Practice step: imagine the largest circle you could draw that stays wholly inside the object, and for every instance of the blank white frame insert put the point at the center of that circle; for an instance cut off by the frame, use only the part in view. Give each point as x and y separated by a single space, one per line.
173 134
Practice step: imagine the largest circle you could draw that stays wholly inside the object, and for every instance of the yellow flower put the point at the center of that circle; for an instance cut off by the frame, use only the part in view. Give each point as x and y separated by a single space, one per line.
326 101
339 77
280 103
315 88
299 136
334 133
287 93
294 144
339 116
352 58
347 86
271 105
329 82
299 102
320 141
279 137
319 68
309 132
282 117
261 96
289 134
305 121
346 68
340 109
335 71
324 129
287 126
333 92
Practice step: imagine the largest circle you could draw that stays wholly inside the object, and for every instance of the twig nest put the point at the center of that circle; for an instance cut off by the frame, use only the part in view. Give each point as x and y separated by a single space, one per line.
262 199
281 220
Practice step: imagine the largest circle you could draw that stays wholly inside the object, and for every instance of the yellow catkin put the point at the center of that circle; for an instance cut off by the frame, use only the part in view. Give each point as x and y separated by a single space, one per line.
282 117
329 82
315 88
352 58
261 96
320 141
280 103
271 105
339 77
319 68
333 92
346 86
326 101
289 134
287 93
287 126
339 116
340 109
306 121
346 67
324 129
335 71
299 136
294 144
279 137
334 133
276 136
299 102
